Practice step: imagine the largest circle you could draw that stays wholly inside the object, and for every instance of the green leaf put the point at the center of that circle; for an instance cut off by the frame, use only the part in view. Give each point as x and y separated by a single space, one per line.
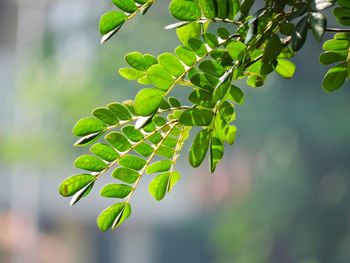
131 74
171 64
227 111
196 117
174 102
159 185
88 126
199 148
197 46
120 219
335 77
174 178
165 151
212 67
185 10
104 151
185 33
111 20
299 37
287 29
132 134
204 81
144 149
81 193
222 8
187 56
73 184
223 33
116 190
343 35
233 7
147 101
105 115
159 166
342 15
273 49
160 77
221 91
164 105
208 8
132 161
120 111
336 44
236 94
90 163
170 142
236 50
344 3
246 6
115 213
230 134
128 6
130 105
211 40
140 62
330 57
318 24
159 121
285 68
202 98
216 152
155 138
118 141
126 174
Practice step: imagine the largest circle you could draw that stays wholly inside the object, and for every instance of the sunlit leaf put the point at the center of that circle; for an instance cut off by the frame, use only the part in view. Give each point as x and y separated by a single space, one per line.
126 174
90 163
118 141
73 184
285 68
199 148
159 185
159 166
111 21
147 101
105 152
128 6
196 117
186 10
132 162
88 126
116 190
335 77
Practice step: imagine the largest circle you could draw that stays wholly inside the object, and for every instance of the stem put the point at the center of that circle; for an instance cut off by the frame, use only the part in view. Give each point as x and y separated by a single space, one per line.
132 147
149 160
337 30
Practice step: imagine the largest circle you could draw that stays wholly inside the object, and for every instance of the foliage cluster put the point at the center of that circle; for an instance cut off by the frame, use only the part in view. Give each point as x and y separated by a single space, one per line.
146 135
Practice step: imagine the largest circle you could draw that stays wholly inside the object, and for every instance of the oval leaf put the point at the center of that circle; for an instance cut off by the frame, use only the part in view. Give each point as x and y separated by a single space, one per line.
147 101
73 184
116 190
199 148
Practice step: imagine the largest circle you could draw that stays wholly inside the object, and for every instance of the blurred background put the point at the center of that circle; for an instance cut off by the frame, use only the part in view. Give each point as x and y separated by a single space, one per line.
280 195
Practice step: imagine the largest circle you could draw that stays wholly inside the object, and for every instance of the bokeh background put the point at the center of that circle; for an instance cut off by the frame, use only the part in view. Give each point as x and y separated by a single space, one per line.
280 195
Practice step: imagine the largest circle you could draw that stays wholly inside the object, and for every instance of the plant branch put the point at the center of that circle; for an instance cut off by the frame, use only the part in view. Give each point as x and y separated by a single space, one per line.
337 30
